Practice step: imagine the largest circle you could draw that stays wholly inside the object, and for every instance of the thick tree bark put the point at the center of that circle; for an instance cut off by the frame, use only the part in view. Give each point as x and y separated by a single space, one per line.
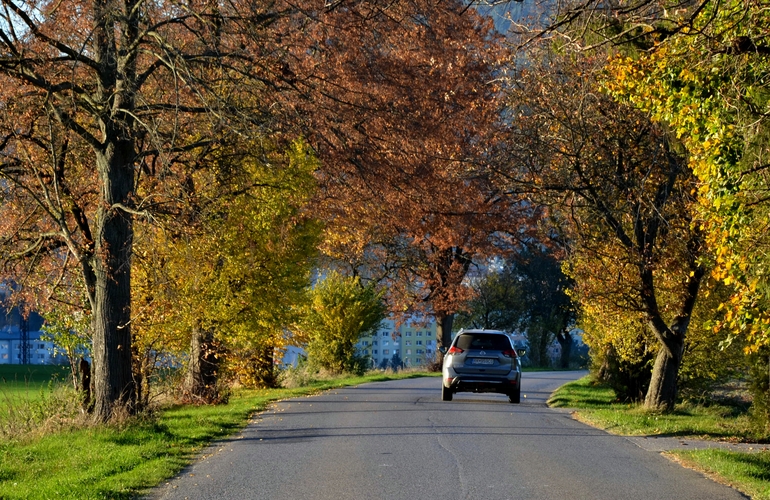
200 385
114 385
662 393
444 324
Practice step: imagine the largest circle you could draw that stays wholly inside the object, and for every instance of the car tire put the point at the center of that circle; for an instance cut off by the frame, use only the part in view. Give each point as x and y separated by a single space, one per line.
515 396
446 393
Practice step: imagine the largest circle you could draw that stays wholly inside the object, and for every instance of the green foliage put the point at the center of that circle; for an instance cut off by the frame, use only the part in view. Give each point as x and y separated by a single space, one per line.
70 333
339 312
239 269
623 362
496 303
709 83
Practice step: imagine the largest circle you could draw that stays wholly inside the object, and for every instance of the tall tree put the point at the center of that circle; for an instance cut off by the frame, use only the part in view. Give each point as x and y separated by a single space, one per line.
626 196
404 116
106 103
496 300
709 84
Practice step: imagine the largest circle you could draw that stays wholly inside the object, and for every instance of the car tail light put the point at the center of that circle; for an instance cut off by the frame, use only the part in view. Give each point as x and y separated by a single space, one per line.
454 350
509 353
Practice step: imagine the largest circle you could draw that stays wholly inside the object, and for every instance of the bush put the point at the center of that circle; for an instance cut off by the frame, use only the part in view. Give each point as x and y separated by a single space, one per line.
339 312
629 377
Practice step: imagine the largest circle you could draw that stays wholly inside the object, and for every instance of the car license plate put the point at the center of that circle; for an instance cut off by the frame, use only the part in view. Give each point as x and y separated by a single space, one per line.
482 361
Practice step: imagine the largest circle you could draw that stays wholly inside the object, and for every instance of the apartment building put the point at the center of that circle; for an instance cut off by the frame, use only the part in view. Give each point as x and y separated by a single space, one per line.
411 342
20 342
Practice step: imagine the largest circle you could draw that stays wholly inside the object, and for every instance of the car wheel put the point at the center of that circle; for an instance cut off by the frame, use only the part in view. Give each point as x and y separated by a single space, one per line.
446 393
515 396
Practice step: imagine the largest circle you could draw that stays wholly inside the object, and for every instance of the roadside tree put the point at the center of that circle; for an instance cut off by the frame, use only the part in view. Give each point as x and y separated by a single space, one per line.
106 107
624 195
404 116
709 84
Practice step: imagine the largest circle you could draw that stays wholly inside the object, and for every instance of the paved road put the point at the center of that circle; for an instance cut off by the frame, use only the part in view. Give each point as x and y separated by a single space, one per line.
398 440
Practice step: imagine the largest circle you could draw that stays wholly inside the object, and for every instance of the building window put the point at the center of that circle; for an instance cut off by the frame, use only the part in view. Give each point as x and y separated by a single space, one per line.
374 342
385 352
419 351
374 351
366 342
408 342
419 342
417 360
41 356
384 334
385 342
41 346
3 345
366 351
409 351
5 355
419 334
408 334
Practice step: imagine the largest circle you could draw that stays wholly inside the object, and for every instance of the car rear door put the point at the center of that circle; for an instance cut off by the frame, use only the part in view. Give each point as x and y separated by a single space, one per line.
483 354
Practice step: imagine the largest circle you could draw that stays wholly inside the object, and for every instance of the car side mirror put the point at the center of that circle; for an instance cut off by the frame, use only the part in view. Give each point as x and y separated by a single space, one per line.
442 350
521 352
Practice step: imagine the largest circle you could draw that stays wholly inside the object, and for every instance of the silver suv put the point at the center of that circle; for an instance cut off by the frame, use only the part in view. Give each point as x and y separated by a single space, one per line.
481 361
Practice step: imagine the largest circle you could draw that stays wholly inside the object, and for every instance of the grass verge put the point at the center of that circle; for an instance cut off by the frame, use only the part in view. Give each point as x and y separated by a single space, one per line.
748 472
27 381
120 462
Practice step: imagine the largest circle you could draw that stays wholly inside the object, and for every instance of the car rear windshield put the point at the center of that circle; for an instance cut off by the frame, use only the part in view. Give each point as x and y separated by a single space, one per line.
487 341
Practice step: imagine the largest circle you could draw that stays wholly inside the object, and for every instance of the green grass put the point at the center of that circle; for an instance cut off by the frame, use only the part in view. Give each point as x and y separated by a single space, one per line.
596 406
749 472
122 462
27 381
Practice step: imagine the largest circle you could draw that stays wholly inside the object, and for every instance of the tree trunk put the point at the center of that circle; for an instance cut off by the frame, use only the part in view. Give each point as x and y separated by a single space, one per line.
264 367
444 324
662 393
565 341
114 386
200 385
85 384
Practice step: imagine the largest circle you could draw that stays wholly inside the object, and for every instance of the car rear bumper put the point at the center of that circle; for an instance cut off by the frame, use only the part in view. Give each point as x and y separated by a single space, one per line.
475 383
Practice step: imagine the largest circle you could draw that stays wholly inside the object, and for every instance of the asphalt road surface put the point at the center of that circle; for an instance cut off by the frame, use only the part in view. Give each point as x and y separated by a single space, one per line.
398 440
